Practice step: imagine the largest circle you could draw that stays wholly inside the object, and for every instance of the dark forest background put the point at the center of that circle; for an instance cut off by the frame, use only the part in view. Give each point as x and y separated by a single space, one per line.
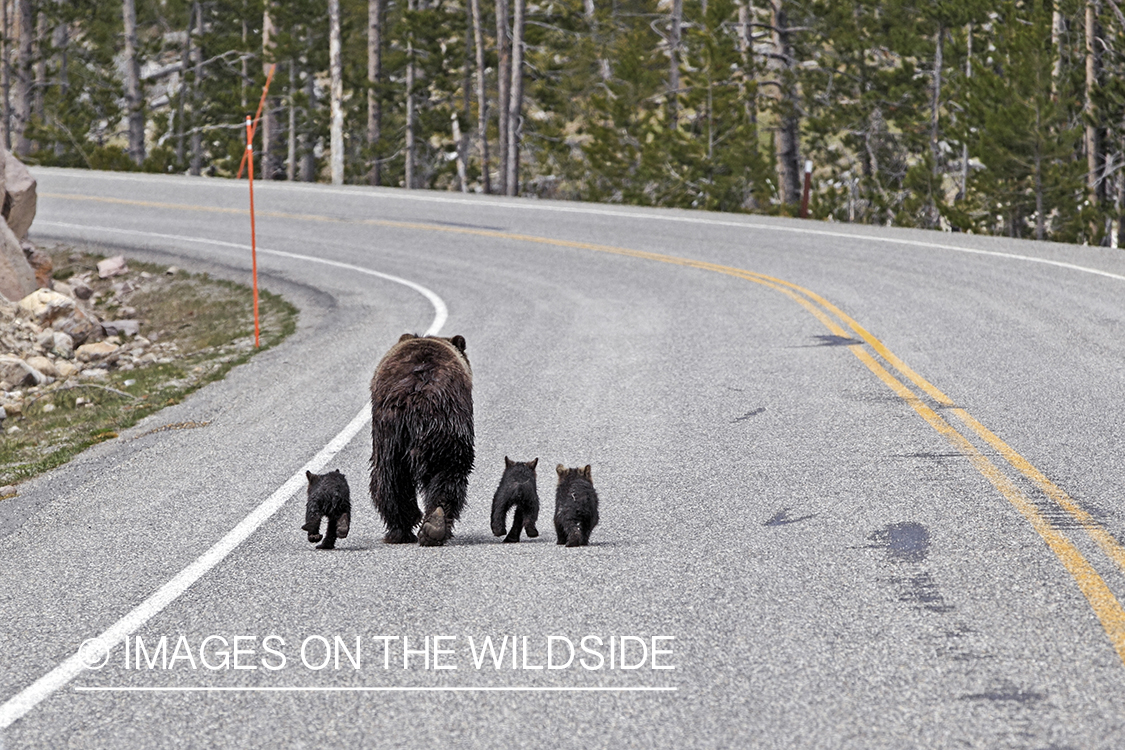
991 117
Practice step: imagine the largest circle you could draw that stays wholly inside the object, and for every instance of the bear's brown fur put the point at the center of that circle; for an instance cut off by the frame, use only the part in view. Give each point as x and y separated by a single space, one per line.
422 436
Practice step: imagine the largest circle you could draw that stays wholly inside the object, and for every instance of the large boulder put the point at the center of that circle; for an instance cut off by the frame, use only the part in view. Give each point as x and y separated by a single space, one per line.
19 195
14 372
17 280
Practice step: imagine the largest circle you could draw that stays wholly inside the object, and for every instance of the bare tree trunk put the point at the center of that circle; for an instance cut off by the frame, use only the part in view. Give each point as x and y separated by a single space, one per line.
196 135
245 62
291 160
788 132
5 79
515 123
1120 206
482 98
462 166
336 75
308 137
965 146
1088 109
1040 219
134 98
22 112
40 64
503 85
935 132
374 81
269 121
1056 45
674 36
185 62
747 86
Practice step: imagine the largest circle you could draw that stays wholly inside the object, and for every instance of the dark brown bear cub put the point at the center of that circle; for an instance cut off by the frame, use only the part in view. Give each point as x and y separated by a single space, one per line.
328 496
421 437
576 506
517 489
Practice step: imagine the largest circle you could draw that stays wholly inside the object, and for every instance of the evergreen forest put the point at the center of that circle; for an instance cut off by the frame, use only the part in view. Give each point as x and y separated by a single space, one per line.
1003 117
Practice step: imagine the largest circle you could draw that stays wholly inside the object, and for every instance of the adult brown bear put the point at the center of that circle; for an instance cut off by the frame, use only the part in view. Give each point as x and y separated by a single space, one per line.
421 437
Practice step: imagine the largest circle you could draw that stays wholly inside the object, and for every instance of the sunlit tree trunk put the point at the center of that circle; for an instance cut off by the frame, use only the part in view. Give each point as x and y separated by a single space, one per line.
134 99
482 97
504 81
374 81
516 104
336 94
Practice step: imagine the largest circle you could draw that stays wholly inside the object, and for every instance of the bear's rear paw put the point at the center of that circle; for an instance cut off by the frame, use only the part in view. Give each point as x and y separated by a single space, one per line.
343 525
531 530
326 545
574 539
434 529
400 536
314 537
512 537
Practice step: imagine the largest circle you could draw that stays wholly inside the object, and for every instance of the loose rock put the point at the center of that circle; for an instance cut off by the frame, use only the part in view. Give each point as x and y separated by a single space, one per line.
96 351
114 266
43 306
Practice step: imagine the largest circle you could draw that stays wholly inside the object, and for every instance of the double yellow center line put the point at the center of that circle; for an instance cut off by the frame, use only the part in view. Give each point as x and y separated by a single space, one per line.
1105 605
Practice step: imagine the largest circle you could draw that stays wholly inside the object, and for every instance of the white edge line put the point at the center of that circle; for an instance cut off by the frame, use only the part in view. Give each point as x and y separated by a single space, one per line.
290 689
533 205
17 706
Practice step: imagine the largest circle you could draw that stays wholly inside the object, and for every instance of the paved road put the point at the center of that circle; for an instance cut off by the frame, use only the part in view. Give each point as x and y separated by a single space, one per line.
860 487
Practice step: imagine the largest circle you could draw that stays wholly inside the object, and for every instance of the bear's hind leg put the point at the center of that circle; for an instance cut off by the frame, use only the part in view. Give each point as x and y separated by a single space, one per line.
312 521
517 526
329 535
530 516
560 532
447 492
401 514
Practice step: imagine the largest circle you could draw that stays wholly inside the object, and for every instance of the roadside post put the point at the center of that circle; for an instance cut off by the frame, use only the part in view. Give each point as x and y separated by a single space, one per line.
249 157
805 193
248 160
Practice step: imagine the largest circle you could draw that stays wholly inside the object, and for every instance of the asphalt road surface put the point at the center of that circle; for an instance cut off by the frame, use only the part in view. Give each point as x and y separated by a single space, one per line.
860 487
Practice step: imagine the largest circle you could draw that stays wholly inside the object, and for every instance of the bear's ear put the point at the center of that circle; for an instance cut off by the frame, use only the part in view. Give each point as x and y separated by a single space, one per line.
534 463
560 470
586 473
459 342
507 463
310 476
406 337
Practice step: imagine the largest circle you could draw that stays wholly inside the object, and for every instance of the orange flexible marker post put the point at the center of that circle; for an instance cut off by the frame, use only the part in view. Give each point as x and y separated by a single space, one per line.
257 115
249 156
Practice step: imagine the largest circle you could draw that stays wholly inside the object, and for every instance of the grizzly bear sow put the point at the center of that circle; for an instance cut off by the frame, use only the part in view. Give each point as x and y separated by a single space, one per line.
421 436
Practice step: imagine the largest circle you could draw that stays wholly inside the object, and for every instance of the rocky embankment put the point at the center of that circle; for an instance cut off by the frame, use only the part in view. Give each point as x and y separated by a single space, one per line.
63 333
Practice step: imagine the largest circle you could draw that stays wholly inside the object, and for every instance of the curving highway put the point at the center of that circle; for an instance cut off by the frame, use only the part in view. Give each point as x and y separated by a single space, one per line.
860 487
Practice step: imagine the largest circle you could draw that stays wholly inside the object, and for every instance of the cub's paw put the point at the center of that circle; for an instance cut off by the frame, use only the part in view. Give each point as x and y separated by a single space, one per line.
326 545
531 530
343 526
315 537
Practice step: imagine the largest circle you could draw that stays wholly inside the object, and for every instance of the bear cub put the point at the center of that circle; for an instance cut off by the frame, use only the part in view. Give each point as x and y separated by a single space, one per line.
328 496
517 489
576 506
